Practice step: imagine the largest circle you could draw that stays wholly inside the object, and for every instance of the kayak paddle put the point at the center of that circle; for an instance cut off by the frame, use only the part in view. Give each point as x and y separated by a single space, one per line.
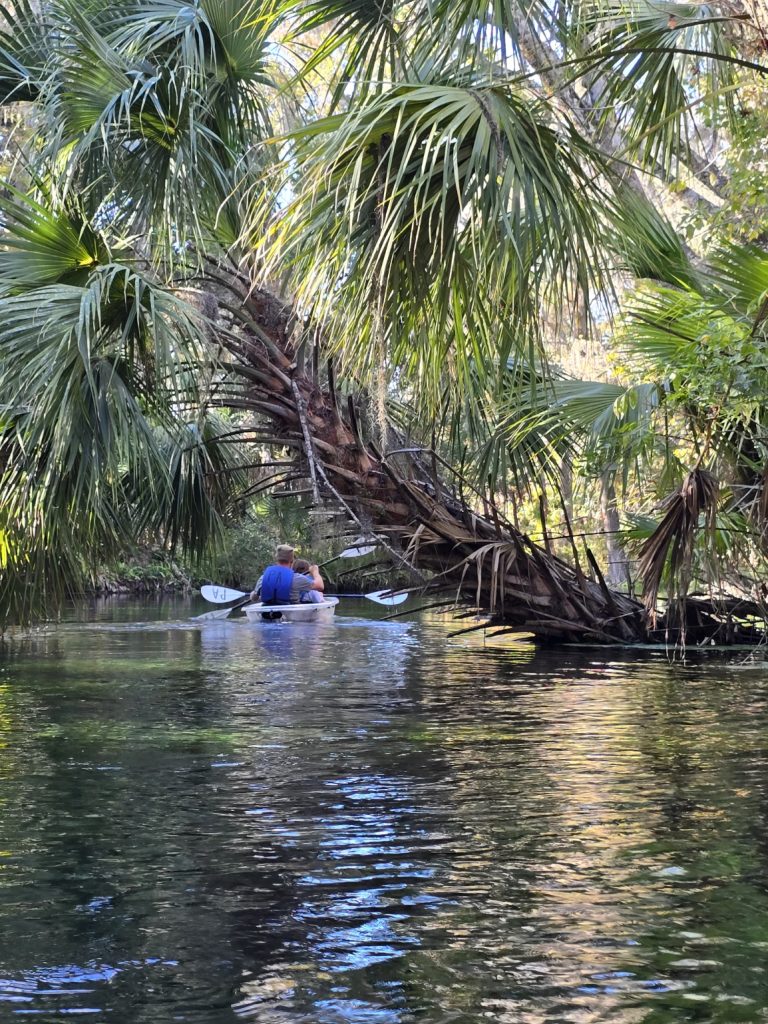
223 595
221 613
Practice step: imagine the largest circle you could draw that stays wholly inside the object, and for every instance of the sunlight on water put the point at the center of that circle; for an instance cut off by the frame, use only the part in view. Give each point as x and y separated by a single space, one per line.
370 821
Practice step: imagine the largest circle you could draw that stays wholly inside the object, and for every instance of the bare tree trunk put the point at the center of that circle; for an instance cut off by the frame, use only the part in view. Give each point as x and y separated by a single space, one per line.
566 488
618 564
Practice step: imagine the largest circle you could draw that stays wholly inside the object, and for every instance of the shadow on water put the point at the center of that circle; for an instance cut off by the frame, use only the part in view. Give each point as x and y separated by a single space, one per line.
373 822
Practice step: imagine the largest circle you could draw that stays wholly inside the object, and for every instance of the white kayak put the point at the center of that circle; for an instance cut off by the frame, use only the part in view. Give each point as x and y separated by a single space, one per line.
322 612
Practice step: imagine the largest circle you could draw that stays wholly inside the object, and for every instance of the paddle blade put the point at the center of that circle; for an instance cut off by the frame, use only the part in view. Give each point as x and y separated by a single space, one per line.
386 597
357 552
220 613
220 595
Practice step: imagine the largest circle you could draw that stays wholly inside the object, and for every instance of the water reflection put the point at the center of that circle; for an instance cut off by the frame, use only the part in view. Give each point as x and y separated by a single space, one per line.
369 821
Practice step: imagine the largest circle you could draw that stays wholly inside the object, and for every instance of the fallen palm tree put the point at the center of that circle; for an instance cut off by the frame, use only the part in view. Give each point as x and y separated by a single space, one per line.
424 521
428 520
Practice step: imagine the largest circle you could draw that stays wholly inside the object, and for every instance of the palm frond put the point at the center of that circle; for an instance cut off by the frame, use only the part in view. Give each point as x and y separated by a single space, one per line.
648 244
101 366
691 508
150 102
24 50
446 210
664 327
556 420
45 245
205 474
739 273
363 42
647 63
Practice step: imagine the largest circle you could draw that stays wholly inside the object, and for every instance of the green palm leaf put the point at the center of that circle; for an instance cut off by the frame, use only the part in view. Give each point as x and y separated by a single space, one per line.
44 245
648 245
439 206
566 419
740 273
100 372
154 99
24 52
647 62
365 42
205 474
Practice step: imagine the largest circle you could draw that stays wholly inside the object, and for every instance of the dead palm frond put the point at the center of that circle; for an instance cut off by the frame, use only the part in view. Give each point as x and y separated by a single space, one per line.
670 547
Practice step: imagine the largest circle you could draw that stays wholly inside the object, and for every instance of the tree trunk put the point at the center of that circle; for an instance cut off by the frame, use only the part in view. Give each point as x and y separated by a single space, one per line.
618 564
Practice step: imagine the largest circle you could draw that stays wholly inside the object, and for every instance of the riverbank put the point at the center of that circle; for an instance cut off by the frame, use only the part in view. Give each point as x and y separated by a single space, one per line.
149 577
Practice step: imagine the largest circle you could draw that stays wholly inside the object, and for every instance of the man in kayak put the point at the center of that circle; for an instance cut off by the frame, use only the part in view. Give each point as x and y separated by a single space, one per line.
279 584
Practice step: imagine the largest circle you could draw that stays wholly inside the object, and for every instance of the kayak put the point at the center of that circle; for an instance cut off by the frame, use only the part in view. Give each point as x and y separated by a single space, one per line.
322 612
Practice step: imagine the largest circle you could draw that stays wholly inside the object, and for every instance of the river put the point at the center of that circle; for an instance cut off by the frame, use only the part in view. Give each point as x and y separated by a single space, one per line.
373 822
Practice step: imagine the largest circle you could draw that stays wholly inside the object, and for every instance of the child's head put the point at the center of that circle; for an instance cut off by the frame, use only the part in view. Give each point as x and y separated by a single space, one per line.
301 565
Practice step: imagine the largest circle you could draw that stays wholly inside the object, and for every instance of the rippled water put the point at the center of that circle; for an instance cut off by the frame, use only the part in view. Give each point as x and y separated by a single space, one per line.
371 822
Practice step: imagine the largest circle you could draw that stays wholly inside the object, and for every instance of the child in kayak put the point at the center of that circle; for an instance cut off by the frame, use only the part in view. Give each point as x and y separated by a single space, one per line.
303 568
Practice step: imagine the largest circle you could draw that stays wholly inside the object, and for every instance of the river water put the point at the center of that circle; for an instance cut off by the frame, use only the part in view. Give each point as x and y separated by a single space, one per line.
373 822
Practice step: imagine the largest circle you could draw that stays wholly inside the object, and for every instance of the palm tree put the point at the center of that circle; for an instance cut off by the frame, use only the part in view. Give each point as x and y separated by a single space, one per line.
420 185
107 432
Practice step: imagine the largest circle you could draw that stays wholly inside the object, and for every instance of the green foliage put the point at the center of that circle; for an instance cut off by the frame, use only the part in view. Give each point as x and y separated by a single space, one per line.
249 545
708 351
106 436
23 52
650 60
741 173
434 203
648 244
139 576
705 350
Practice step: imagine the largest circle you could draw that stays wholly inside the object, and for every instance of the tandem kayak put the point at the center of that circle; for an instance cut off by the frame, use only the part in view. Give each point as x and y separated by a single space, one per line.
322 612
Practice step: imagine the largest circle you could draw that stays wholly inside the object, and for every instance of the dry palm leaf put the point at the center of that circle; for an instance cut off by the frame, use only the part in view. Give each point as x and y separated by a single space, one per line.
675 536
